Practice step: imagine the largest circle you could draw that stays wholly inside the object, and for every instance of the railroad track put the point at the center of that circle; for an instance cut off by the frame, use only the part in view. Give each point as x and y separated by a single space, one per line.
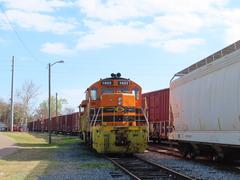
164 150
139 168
229 165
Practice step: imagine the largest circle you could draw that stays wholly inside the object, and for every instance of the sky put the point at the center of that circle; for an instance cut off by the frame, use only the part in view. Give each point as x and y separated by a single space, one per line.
147 41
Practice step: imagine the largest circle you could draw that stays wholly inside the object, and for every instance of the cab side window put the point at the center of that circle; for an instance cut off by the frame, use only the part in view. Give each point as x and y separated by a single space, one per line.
86 95
93 93
136 93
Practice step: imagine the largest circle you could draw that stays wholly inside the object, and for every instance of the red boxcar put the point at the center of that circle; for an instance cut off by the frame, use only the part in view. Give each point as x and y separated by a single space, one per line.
76 118
61 124
66 124
157 111
45 125
54 124
35 125
72 125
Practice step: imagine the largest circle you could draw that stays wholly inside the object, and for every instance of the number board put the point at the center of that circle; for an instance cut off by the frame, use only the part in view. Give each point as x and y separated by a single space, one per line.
107 83
123 83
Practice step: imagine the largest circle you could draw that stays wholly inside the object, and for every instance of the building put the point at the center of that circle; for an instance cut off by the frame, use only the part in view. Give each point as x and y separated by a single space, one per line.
3 127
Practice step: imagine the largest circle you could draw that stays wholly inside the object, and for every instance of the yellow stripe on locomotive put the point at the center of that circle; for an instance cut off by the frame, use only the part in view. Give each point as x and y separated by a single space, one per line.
112 120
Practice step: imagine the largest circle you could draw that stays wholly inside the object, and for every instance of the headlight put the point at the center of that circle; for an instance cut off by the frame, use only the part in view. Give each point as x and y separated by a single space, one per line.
119 100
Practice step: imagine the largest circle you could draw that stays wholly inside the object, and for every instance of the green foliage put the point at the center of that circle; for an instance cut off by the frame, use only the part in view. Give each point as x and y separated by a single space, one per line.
4 110
42 111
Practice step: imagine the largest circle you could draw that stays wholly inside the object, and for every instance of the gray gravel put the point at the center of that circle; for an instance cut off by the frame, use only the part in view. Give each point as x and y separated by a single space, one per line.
194 169
78 162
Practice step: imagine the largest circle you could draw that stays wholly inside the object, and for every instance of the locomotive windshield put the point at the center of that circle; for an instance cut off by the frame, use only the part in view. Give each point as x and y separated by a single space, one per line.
119 90
105 90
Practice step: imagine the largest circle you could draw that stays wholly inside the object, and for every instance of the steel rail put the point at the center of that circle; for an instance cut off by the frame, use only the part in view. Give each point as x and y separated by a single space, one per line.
163 150
151 169
180 175
123 168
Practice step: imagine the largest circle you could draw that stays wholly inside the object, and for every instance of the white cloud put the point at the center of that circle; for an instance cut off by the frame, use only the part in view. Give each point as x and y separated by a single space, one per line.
155 34
4 25
181 23
181 45
232 34
36 5
40 22
56 48
230 18
159 23
110 10
105 35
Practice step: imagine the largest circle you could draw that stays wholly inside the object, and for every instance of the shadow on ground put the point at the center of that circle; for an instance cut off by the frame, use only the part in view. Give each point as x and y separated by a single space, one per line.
65 158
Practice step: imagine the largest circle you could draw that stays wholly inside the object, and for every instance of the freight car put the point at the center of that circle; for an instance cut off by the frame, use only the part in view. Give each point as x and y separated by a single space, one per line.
64 124
112 119
205 105
156 104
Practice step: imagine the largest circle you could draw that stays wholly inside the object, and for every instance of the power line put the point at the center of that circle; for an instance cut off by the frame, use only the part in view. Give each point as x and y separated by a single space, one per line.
19 37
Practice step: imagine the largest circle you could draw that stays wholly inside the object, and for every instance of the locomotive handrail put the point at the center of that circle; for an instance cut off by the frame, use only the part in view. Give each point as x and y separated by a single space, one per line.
147 123
96 116
114 119
95 120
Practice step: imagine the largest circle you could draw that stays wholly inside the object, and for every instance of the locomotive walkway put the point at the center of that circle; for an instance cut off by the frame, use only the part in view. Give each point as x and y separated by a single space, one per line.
6 146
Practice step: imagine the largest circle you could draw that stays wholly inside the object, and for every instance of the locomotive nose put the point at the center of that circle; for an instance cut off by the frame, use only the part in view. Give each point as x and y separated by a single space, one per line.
121 134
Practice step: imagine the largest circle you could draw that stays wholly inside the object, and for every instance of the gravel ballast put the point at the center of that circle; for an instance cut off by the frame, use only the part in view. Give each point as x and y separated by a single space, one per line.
191 168
78 162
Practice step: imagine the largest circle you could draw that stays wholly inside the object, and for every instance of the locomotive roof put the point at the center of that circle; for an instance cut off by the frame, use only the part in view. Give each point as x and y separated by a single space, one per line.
114 78
213 57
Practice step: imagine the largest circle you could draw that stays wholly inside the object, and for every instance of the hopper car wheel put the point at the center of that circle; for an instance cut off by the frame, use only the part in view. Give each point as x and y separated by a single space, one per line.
191 155
184 153
216 157
187 151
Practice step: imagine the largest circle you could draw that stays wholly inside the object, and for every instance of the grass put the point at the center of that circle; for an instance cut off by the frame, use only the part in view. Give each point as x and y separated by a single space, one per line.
34 156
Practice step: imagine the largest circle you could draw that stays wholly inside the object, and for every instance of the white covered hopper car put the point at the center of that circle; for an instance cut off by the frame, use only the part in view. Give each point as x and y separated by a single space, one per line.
205 105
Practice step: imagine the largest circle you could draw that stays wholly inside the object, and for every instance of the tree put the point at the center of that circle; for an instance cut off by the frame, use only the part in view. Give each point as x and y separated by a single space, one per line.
4 110
42 110
25 97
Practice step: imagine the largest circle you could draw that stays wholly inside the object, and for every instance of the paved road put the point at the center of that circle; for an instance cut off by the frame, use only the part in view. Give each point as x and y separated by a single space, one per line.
6 146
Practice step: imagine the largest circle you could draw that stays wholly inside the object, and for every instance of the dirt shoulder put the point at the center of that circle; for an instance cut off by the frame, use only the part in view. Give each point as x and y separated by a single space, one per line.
6 146
66 158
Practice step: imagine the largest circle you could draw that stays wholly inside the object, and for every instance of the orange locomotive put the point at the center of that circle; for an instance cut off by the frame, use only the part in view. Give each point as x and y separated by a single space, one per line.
112 119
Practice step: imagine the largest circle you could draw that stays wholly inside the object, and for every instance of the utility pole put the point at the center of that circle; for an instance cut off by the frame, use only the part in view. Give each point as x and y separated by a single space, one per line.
49 105
12 106
57 110
56 105
49 100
